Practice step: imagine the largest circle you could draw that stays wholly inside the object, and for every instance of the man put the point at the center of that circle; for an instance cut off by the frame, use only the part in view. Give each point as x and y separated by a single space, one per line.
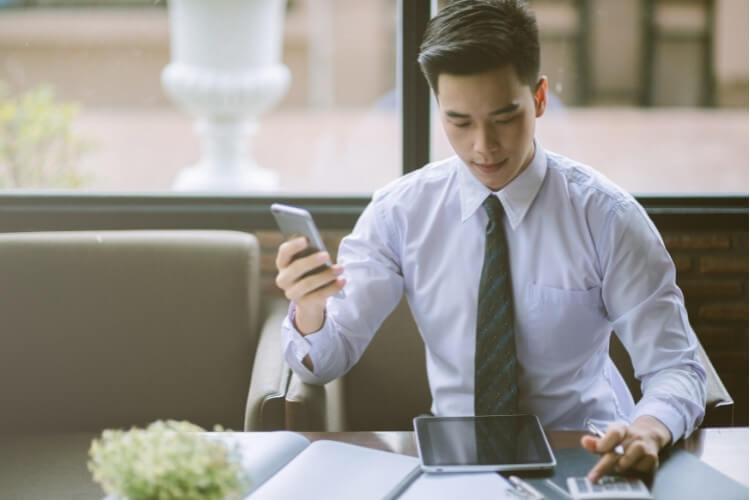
517 264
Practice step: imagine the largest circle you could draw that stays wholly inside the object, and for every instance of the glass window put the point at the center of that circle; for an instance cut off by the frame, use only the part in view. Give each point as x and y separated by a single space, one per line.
654 94
86 102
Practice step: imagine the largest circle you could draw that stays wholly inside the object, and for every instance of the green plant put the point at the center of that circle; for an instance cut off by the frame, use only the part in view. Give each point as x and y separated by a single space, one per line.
167 460
38 148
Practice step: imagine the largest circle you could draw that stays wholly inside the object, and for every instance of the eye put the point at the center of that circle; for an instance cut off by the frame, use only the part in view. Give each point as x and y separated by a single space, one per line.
461 125
504 121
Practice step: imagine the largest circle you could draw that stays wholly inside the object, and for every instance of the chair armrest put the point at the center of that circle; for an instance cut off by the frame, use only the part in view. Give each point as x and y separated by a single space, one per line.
719 403
270 376
305 406
312 407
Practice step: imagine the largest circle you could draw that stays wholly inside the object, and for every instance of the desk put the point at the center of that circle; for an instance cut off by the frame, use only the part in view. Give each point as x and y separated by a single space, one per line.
725 449
54 465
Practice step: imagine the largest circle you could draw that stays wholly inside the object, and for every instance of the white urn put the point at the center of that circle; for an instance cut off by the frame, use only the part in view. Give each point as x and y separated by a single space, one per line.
225 69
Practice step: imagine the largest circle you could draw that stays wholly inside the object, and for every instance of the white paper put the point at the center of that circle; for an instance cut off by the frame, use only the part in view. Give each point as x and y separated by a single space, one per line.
264 453
337 471
474 485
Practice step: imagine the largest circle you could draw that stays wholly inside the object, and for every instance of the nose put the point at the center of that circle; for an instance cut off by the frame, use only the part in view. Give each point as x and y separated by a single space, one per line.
485 140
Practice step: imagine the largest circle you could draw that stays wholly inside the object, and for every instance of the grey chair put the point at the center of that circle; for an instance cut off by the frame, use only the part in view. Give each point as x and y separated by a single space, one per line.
388 387
719 403
382 392
106 329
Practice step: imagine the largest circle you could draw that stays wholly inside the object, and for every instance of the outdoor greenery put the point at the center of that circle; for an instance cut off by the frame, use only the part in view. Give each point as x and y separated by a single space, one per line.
38 148
168 460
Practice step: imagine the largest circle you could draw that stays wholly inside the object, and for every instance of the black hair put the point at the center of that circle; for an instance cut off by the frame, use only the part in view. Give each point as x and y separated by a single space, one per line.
475 36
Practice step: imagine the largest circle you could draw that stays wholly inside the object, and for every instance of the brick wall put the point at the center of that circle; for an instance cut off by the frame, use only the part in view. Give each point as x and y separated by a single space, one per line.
712 271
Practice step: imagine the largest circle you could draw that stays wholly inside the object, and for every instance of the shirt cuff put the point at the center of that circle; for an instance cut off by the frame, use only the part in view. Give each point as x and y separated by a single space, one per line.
312 344
665 414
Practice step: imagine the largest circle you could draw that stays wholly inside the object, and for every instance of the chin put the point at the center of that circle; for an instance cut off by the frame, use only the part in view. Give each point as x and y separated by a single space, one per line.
493 182
492 185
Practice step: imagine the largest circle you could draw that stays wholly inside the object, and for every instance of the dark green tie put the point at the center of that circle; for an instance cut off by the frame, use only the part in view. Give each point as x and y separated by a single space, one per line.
495 379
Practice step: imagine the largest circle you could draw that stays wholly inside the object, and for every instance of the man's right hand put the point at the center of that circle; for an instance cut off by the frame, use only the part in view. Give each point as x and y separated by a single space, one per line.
309 294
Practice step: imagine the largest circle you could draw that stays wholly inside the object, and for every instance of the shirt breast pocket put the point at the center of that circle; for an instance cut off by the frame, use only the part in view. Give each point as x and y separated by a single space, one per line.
561 324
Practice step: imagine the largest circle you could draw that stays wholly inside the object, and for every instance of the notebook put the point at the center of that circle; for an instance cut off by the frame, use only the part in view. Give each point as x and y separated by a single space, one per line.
284 464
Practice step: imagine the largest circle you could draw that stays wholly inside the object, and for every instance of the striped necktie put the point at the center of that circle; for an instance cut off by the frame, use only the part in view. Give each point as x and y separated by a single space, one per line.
495 382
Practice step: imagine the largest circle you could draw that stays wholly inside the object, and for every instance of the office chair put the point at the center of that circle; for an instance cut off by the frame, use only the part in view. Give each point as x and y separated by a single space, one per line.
719 403
382 392
388 386
104 329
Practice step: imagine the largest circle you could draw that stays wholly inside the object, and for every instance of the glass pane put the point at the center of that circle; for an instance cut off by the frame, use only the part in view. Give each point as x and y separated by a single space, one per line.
657 101
83 103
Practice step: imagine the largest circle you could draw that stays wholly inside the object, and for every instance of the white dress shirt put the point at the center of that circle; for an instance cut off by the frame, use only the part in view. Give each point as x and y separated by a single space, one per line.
585 260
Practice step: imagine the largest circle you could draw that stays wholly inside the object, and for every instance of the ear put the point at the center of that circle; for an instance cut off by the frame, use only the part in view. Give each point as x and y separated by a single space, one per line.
540 96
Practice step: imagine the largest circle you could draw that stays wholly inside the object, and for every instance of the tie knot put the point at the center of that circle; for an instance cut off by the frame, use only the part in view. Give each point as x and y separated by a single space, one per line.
493 207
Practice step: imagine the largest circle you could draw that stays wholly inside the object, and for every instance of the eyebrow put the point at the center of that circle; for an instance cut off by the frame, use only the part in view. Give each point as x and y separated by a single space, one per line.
506 109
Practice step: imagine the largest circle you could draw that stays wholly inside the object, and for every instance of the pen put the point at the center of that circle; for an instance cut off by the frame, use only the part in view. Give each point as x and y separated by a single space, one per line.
596 431
558 489
529 490
404 484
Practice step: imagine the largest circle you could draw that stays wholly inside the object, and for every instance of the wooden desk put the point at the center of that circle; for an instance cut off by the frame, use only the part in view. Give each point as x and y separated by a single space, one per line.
54 465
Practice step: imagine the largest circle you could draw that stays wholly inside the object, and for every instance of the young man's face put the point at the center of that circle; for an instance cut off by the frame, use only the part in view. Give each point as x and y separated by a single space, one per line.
489 120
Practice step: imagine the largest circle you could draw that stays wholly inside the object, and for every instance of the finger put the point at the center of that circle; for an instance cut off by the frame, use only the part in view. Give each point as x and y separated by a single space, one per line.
288 250
646 464
290 274
312 283
303 265
615 435
603 466
297 287
589 443
322 293
633 454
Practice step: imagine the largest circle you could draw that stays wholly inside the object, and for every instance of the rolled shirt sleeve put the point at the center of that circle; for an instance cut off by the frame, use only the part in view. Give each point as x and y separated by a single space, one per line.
296 346
648 314
374 288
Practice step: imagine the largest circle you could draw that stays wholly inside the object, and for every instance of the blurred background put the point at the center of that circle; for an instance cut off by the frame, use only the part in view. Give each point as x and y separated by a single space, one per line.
653 93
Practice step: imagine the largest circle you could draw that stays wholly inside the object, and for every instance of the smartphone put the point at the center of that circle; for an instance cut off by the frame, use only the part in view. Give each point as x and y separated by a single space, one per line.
294 222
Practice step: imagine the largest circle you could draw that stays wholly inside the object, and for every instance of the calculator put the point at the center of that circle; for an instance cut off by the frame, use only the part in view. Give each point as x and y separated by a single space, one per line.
608 488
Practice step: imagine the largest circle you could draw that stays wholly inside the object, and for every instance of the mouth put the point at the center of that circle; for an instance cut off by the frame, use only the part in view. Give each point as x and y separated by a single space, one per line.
489 168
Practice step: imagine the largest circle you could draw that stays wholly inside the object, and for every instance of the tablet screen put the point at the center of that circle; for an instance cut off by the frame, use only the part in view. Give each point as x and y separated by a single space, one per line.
497 442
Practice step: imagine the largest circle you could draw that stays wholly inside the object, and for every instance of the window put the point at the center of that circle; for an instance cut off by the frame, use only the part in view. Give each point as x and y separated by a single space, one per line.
651 93
335 130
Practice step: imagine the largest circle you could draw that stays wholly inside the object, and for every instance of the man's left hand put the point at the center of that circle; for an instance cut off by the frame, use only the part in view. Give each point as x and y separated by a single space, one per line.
641 441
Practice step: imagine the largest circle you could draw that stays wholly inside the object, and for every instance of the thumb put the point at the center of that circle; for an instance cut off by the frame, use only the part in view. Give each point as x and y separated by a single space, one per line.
589 443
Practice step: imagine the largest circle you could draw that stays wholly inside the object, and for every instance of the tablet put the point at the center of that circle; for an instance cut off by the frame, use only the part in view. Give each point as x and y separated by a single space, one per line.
486 443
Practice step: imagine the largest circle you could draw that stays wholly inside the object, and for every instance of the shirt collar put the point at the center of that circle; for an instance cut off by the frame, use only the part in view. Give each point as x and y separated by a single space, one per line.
516 197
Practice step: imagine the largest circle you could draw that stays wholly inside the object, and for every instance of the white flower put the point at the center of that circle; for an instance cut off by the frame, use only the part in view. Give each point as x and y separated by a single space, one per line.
168 460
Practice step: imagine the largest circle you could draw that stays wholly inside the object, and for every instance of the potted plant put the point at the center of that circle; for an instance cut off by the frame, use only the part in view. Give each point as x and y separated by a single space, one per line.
167 460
